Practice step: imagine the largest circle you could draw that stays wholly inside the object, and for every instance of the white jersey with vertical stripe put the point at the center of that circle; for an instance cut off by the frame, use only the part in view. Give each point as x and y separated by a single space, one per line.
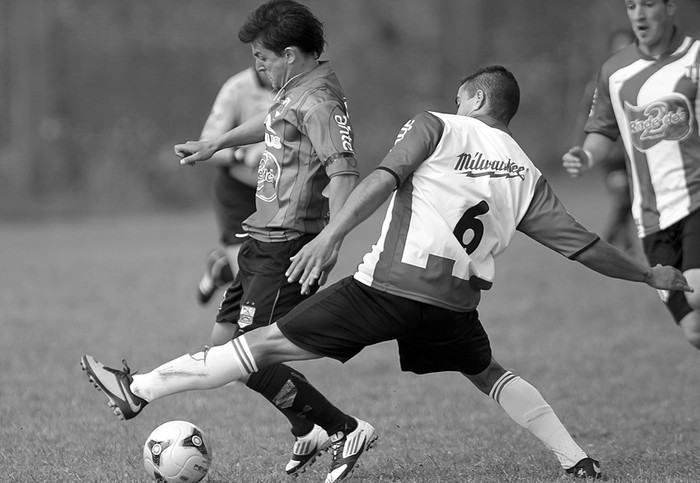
465 186
653 105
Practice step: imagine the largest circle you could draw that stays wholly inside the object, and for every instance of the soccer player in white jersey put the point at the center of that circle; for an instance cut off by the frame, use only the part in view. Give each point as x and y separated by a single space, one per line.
647 95
461 189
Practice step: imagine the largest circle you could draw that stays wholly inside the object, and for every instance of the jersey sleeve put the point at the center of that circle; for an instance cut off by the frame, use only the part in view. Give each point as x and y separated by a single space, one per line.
329 129
547 222
415 142
601 118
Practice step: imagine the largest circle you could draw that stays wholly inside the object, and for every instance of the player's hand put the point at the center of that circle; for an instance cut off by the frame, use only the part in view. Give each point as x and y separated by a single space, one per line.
193 152
311 265
667 278
575 161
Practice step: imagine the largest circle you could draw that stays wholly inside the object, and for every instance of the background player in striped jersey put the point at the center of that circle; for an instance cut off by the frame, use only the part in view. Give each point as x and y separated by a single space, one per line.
647 94
462 187
244 95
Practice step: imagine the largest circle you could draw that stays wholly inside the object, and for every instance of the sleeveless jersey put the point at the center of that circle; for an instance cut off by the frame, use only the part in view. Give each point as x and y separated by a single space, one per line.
309 139
653 105
465 187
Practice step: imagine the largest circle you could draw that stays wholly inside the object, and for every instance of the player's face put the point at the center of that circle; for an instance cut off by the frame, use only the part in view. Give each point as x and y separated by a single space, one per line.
271 65
465 103
652 23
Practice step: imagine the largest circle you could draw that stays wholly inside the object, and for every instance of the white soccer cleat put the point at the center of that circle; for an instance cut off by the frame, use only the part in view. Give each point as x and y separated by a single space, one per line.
306 449
347 449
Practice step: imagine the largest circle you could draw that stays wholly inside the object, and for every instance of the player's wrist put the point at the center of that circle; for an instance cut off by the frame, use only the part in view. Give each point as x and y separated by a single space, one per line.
589 158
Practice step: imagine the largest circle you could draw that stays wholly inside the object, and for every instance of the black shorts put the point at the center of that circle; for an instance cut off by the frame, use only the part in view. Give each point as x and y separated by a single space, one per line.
234 201
678 246
262 294
348 316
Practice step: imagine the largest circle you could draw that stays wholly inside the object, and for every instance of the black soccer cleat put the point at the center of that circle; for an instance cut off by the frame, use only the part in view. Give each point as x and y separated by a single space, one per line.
587 469
115 384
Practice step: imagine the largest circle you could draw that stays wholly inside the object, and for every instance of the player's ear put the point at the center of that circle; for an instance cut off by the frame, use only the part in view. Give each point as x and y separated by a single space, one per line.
671 8
290 54
480 99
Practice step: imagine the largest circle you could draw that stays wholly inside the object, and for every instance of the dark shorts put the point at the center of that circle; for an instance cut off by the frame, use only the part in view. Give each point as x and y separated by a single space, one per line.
234 201
348 316
261 294
678 246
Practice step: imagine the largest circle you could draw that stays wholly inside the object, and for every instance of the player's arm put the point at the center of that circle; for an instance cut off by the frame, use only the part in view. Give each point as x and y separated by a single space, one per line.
601 128
547 221
609 261
250 132
579 159
222 117
309 264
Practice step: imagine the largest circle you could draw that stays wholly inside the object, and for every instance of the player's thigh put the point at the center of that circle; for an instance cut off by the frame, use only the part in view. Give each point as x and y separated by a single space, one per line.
666 248
691 257
267 295
344 318
446 341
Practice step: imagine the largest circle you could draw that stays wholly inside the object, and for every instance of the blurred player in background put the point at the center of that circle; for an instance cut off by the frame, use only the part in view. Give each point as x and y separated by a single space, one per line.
647 94
242 96
461 188
619 226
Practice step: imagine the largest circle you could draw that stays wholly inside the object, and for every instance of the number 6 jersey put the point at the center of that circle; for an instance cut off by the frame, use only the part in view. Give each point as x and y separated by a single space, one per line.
464 187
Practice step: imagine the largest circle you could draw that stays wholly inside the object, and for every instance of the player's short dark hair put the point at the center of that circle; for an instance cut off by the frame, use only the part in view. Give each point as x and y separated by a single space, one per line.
500 87
279 24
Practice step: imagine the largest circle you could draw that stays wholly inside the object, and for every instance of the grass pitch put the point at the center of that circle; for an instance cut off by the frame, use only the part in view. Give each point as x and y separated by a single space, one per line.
604 353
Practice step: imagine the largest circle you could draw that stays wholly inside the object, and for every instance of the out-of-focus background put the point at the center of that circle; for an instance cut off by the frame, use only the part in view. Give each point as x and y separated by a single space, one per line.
94 93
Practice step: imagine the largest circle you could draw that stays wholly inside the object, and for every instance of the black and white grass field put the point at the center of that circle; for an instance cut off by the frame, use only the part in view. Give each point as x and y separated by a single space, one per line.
603 352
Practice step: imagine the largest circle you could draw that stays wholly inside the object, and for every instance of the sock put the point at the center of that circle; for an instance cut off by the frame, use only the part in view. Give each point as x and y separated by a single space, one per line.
526 406
300 402
206 368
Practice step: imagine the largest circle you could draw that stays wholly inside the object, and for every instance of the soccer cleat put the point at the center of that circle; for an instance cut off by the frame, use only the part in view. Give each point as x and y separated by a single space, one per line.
347 449
306 449
587 468
115 384
218 273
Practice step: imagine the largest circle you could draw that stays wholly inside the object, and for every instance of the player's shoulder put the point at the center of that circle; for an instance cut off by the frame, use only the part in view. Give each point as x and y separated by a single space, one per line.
241 81
622 58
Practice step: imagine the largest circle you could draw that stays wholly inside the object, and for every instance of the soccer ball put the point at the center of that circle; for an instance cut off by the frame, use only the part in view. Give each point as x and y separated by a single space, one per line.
177 451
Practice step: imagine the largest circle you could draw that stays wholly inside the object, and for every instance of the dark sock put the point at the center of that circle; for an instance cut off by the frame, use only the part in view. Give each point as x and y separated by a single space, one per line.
300 402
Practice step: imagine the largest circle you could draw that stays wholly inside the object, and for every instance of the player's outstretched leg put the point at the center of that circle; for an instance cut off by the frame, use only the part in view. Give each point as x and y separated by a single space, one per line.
306 449
587 468
115 385
347 446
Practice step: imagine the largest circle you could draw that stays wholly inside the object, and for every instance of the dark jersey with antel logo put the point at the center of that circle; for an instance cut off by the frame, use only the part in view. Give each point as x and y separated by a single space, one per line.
465 187
309 139
653 105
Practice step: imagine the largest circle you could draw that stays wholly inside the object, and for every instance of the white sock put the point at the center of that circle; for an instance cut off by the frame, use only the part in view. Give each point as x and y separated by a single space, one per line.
526 406
207 368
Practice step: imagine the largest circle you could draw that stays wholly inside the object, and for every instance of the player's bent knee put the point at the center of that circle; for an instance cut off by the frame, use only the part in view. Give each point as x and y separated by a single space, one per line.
691 328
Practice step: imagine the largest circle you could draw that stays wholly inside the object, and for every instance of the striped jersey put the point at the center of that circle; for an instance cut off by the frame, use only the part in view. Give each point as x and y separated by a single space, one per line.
465 187
653 105
308 139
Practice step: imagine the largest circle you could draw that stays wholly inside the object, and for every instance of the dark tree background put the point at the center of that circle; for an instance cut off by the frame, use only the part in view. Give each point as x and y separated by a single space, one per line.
94 93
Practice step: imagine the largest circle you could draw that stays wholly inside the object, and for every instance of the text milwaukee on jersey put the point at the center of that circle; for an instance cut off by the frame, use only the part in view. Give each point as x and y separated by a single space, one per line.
477 165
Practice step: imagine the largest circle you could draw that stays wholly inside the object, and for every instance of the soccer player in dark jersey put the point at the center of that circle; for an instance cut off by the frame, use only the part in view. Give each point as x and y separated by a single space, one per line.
648 96
304 176
244 95
459 188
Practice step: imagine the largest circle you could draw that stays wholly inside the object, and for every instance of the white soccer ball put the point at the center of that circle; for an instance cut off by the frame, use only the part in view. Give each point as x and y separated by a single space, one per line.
177 451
